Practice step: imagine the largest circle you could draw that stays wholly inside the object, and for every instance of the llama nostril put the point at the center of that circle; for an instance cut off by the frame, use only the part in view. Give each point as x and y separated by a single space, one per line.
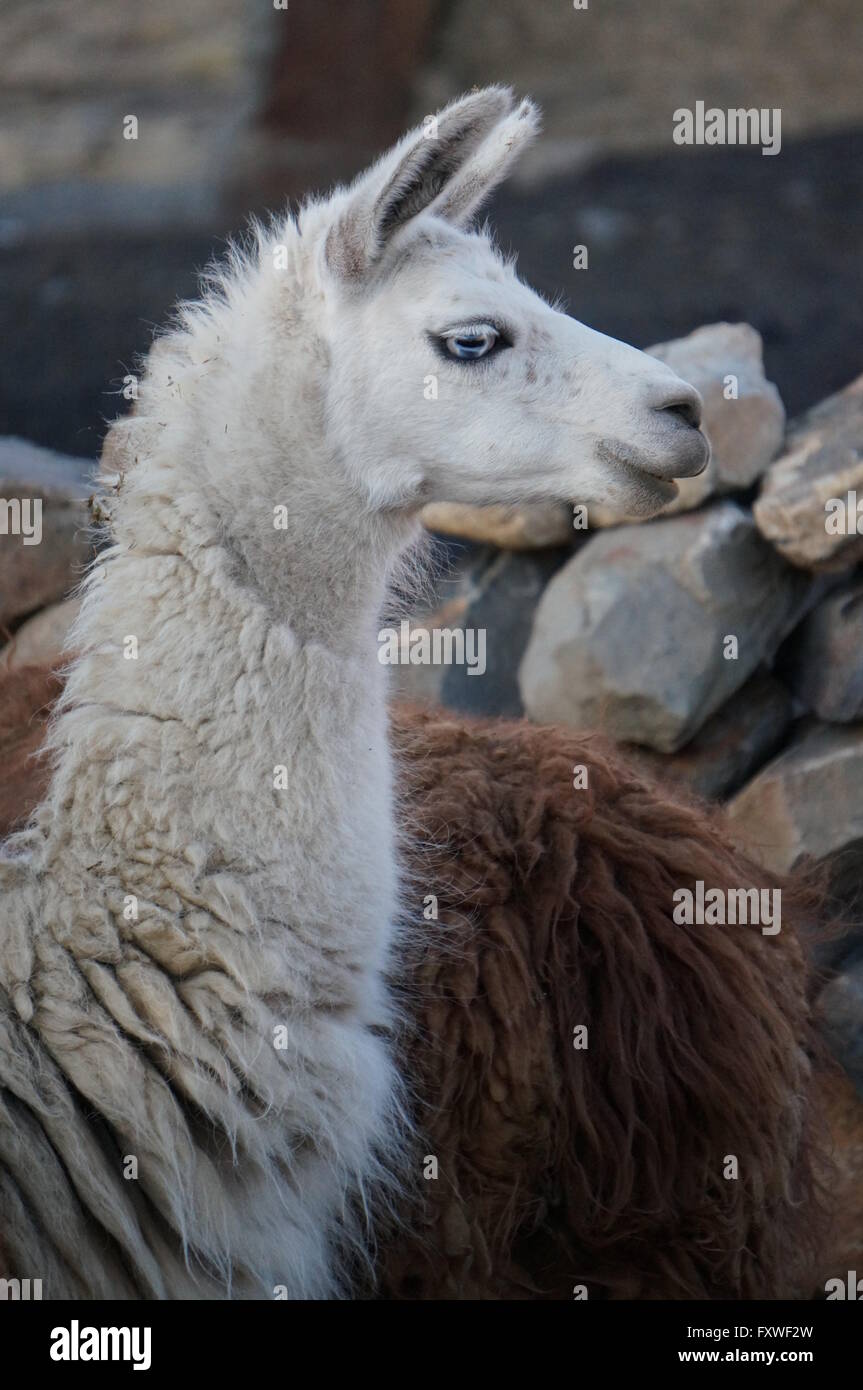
687 408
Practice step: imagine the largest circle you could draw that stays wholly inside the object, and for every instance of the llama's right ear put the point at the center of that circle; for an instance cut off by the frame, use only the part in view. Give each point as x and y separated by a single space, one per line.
429 166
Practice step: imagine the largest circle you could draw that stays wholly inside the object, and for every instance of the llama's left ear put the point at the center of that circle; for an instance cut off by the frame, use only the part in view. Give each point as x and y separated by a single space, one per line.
447 166
488 166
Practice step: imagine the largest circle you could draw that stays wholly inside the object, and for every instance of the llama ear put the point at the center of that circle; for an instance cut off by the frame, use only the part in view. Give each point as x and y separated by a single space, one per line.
488 166
447 165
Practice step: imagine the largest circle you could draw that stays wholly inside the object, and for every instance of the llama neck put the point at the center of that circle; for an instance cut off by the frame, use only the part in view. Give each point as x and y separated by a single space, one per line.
240 721
220 821
229 703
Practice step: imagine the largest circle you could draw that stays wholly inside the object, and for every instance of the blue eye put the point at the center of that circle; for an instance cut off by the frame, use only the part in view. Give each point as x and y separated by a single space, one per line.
467 347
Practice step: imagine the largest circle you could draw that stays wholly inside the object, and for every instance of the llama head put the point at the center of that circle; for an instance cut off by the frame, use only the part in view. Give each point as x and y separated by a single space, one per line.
448 378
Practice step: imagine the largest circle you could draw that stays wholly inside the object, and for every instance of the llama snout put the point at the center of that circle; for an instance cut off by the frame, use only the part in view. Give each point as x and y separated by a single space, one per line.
684 449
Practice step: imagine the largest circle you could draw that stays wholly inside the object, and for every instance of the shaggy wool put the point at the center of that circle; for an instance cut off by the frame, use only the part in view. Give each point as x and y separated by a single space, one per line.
601 1167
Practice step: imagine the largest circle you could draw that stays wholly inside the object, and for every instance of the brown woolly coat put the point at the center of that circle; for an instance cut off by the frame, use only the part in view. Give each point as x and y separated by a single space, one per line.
599 1166
604 1167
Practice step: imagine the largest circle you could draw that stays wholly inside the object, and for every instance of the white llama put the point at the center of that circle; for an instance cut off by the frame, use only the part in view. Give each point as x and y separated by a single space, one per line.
196 1091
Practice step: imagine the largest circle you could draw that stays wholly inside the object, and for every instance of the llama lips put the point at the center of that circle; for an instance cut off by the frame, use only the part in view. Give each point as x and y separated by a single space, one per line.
663 489
651 490
680 451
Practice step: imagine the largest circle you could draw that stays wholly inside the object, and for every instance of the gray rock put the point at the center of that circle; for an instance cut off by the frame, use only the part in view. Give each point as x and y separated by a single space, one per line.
47 474
506 592
745 430
630 635
731 746
32 575
439 599
808 802
840 1016
422 682
41 640
822 661
808 507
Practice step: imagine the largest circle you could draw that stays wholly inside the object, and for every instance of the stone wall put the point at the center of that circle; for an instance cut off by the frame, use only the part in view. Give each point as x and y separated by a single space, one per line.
236 95
189 72
609 77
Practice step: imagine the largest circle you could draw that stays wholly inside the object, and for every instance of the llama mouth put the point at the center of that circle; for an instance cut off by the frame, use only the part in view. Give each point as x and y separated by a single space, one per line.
666 488
635 468
655 475
650 488
652 495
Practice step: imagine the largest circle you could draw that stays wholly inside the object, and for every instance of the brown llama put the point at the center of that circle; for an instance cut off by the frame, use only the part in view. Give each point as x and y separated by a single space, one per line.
596 1168
602 1166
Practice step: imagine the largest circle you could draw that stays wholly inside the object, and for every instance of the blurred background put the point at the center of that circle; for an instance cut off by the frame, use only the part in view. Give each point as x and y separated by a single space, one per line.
241 105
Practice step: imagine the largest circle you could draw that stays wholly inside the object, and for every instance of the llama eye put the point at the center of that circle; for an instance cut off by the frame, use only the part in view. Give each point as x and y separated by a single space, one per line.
469 346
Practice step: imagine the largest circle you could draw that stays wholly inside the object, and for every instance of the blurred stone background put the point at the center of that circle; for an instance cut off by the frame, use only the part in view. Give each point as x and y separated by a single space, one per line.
241 105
